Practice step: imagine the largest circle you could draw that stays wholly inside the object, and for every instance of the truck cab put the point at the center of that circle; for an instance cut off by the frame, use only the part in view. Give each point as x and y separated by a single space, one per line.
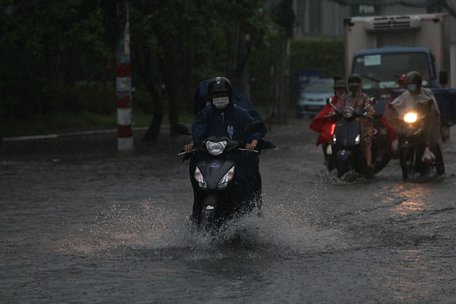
381 49
399 40
383 68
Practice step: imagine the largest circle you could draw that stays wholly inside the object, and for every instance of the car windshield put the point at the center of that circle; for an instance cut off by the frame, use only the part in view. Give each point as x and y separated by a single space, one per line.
384 70
319 86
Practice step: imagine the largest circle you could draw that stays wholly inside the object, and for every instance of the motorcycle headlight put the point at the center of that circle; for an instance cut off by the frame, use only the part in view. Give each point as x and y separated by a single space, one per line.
357 139
410 117
347 112
223 183
199 178
216 147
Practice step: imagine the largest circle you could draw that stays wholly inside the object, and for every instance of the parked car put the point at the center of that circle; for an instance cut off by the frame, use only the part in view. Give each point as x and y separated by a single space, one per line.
313 98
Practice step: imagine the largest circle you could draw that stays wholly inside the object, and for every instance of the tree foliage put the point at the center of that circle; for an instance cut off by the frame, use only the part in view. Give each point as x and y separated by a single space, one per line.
50 48
58 55
328 56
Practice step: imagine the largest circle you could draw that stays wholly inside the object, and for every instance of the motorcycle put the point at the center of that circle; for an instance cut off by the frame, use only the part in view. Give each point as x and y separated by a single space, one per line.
411 144
381 145
216 190
344 151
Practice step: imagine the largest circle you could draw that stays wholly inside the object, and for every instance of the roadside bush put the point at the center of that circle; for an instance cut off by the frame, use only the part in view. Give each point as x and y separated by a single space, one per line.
328 56
97 98
57 97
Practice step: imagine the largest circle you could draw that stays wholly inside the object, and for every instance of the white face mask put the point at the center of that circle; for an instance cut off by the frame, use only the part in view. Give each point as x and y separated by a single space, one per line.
411 87
221 102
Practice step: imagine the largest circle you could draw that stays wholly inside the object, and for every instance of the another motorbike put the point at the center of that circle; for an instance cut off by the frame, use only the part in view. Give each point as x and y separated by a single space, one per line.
381 144
411 144
344 152
216 190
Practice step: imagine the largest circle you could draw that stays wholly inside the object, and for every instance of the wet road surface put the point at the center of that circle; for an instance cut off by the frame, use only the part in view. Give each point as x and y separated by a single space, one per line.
81 223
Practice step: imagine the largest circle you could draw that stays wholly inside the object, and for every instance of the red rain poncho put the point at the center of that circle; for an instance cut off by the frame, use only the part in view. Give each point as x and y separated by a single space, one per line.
323 125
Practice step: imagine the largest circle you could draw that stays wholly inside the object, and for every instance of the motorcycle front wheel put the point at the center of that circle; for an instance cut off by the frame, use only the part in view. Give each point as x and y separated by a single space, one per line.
207 221
407 161
341 168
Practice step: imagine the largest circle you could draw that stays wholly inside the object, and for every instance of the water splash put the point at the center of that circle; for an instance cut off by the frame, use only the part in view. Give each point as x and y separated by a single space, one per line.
290 222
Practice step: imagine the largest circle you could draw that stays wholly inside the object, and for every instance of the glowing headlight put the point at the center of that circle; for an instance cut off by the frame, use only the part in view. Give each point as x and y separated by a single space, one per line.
347 112
410 117
357 139
216 148
200 179
226 179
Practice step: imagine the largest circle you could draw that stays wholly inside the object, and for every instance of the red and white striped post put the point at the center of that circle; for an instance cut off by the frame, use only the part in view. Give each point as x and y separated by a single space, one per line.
123 88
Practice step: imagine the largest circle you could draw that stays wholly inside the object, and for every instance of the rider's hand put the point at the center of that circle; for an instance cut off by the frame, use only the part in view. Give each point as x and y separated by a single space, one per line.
252 145
188 148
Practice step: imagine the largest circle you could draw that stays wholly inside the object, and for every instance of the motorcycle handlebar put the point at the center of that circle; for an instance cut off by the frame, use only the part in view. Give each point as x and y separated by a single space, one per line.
195 150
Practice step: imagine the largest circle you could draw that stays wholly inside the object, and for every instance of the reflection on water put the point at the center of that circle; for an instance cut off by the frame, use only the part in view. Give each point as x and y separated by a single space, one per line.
408 277
413 199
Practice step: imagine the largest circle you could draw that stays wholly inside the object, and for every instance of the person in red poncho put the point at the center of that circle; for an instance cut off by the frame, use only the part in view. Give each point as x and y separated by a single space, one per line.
322 124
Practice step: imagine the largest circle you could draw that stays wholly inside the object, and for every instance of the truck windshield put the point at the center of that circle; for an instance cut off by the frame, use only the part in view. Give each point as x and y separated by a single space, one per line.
384 70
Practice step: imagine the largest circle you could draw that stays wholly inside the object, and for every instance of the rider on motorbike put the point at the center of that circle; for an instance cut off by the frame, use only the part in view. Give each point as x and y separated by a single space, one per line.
322 124
413 98
201 99
223 118
359 101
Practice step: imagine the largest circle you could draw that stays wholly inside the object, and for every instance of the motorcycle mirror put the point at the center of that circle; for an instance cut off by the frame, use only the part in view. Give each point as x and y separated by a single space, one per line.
372 101
181 129
328 102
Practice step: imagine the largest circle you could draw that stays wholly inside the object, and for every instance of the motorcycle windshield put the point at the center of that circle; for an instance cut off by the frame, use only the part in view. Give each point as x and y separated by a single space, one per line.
347 133
213 170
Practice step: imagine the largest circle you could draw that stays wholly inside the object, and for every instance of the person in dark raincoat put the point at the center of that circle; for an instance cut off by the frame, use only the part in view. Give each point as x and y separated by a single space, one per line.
221 117
202 99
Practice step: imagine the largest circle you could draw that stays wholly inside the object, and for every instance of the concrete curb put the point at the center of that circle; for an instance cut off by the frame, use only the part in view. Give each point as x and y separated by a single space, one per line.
70 134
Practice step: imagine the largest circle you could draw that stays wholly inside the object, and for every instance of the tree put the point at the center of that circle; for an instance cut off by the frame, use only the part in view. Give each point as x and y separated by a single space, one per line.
174 44
195 40
44 51
284 17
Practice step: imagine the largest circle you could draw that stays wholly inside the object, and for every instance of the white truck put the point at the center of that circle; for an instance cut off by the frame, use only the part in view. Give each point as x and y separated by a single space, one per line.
383 48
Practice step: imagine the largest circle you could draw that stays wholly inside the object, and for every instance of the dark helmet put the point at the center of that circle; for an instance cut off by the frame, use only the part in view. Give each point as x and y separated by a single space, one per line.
413 77
354 78
219 85
340 84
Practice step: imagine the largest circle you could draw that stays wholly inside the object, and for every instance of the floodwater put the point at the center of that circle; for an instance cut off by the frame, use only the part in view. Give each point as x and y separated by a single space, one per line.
81 223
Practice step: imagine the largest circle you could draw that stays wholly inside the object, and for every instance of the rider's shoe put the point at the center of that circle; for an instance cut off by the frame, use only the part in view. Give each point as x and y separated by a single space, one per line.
370 170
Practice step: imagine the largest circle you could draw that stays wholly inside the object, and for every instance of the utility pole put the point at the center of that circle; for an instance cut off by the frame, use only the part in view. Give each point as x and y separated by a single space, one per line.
123 82
285 19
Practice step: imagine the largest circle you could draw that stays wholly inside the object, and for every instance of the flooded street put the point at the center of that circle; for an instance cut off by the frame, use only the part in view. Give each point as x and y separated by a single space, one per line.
82 224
